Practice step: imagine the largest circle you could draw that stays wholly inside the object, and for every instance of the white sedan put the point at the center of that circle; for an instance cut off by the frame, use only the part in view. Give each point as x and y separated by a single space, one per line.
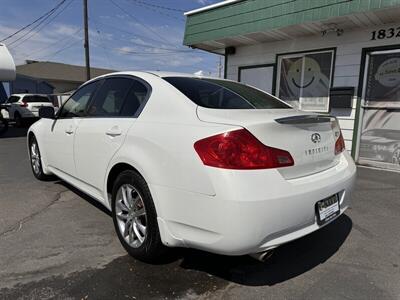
185 161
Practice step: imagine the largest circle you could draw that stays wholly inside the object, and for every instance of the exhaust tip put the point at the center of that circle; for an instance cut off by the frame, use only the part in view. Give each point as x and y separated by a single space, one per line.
262 256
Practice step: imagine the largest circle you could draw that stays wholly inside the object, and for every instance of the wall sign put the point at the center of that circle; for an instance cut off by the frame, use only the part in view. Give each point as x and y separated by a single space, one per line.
388 33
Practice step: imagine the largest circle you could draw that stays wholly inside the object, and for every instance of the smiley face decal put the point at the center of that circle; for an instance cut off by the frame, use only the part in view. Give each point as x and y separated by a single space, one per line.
314 83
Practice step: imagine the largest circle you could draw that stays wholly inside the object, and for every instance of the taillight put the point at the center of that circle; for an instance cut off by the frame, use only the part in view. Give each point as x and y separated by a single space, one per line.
23 104
339 142
339 145
239 149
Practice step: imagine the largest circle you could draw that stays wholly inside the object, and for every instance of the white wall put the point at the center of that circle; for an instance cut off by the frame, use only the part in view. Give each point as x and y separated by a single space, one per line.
347 64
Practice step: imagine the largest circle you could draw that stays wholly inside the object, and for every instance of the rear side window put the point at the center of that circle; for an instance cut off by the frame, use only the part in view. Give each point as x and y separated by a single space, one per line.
35 99
118 96
13 99
222 94
110 97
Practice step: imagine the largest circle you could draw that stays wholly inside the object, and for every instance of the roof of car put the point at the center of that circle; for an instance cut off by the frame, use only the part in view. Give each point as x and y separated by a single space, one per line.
160 74
23 95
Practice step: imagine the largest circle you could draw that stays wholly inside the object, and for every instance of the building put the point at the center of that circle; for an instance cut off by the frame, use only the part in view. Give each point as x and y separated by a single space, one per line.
334 56
63 77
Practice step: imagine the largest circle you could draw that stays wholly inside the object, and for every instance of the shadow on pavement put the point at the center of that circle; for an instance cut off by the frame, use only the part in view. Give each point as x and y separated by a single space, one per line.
14 132
187 273
288 261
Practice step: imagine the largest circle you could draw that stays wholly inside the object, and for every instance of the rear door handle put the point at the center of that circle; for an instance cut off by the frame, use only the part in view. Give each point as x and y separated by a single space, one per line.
69 130
114 131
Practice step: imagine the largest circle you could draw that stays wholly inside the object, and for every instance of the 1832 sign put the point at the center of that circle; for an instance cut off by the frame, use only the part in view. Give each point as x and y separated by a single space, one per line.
385 34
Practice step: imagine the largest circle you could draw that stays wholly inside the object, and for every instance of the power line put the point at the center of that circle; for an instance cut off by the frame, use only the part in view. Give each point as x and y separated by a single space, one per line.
44 25
151 46
60 50
138 21
102 43
62 40
159 6
50 12
151 7
131 33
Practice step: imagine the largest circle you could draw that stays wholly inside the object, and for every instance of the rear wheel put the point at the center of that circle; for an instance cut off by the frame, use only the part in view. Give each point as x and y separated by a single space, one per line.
18 120
135 217
3 125
36 160
396 156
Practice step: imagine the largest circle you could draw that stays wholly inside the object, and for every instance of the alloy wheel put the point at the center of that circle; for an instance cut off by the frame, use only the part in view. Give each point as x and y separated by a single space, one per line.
35 157
396 156
131 215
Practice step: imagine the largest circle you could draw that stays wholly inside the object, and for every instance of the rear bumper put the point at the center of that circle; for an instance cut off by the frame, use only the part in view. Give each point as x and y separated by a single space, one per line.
252 211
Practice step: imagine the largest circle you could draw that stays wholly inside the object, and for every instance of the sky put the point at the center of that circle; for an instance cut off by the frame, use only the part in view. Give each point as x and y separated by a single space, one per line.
123 34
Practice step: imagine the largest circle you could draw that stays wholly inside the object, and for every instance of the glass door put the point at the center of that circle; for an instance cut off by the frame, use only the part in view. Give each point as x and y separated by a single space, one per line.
379 144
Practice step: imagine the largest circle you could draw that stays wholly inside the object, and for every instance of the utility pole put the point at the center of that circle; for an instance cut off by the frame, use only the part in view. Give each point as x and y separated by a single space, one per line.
86 43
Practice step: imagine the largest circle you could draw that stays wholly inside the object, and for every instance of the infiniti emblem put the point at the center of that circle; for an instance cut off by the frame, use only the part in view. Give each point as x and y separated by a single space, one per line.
315 138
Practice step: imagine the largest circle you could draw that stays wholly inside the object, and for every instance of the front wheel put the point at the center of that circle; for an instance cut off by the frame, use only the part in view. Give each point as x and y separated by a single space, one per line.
135 217
36 160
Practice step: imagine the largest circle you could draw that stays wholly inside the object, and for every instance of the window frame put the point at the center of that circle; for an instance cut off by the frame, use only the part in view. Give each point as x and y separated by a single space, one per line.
102 80
303 53
249 67
138 111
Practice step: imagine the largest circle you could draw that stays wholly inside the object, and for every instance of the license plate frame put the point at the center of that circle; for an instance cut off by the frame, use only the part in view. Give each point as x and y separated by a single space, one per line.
327 209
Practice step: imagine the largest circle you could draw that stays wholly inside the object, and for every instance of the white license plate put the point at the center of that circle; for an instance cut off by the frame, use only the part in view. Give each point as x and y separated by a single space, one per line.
327 209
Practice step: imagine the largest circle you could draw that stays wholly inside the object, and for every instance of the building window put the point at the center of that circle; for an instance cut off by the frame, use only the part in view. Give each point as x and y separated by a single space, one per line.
260 76
304 79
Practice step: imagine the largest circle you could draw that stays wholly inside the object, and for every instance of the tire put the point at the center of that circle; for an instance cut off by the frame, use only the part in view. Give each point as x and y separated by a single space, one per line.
396 156
3 126
135 217
18 120
36 160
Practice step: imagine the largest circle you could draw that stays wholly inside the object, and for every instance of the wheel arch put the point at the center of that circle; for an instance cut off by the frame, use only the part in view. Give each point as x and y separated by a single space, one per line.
113 173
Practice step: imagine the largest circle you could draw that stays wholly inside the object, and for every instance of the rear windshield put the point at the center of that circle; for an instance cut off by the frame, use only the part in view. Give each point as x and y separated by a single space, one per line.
221 94
36 99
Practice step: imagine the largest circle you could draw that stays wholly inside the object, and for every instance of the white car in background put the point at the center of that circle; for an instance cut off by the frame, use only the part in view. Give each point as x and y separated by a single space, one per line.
25 107
185 161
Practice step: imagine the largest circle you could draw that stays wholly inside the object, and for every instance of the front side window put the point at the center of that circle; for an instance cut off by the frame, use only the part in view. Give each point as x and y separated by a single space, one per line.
304 80
76 105
223 94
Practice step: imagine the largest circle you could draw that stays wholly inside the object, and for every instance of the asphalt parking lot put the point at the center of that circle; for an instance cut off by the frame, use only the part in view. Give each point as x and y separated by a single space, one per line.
57 243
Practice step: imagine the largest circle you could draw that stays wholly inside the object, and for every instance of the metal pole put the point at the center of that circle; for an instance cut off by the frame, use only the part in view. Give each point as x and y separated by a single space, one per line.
86 43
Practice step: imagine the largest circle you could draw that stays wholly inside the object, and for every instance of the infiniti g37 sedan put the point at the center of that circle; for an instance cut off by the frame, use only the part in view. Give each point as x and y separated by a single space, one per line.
185 161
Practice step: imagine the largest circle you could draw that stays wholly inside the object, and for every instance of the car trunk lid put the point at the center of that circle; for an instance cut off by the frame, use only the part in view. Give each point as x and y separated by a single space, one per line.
309 138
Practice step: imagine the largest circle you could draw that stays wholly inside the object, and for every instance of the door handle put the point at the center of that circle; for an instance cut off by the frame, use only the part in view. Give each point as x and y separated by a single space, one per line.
114 131
69 130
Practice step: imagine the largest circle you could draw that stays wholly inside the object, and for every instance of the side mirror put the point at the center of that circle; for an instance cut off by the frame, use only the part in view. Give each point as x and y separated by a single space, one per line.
47 112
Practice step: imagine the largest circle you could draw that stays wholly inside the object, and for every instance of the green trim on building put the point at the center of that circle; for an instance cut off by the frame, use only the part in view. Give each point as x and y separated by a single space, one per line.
250 16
